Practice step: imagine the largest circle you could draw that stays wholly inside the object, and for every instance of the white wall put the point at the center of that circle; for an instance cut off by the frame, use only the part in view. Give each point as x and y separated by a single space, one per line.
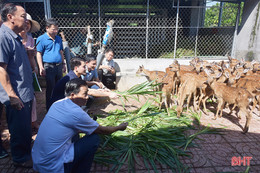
126 70
248 43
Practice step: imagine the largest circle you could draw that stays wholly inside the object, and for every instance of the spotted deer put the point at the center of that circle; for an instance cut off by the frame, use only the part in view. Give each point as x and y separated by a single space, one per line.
231 95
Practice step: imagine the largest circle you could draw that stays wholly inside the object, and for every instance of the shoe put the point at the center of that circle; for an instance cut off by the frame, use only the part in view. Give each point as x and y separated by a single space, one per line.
3 154
27 164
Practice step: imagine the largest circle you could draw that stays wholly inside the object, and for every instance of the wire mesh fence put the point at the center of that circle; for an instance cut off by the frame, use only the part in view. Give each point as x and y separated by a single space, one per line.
146 28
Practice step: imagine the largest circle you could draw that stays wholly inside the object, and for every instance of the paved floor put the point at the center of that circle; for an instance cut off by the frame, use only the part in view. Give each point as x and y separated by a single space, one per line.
214 154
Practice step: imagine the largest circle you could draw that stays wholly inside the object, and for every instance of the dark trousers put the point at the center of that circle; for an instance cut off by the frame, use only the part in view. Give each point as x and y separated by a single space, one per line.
84 151
107 79
53 74
1 111
19 124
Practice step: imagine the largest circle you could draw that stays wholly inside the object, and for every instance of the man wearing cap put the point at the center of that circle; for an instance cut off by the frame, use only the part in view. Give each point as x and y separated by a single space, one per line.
16 89
50 57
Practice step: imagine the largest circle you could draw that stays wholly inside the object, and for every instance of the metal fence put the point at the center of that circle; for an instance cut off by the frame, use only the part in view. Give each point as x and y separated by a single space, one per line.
145 28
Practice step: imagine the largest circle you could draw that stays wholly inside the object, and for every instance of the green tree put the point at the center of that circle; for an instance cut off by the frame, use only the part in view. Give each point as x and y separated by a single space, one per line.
228 15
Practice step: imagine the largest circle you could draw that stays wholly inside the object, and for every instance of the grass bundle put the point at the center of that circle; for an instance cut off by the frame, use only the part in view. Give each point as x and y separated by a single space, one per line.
144 89
152 138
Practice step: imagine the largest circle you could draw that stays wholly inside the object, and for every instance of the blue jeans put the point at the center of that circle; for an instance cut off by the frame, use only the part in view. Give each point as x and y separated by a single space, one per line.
84 151
19 124
53 74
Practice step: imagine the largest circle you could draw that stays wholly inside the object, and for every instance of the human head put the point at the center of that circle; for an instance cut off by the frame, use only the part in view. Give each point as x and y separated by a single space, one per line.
77 90
52 27
109 54
78 65
91 62
32 25
14 16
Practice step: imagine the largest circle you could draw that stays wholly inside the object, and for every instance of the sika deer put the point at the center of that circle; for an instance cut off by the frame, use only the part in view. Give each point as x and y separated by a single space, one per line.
168 86
151 75
156 76
230 95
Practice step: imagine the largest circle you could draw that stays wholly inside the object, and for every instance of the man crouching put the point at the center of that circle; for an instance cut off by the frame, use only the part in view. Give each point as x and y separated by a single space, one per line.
53 149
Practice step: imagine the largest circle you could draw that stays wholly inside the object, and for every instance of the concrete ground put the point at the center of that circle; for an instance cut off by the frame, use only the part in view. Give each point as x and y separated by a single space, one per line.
214 154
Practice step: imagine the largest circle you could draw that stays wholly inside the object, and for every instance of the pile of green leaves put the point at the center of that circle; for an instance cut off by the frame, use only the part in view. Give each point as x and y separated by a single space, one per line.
151 138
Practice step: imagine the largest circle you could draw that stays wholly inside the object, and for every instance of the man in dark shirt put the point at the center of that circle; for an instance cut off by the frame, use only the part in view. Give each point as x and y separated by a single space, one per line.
16 89
79 68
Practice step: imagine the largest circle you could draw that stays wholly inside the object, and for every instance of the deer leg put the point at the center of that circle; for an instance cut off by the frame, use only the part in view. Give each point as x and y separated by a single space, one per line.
254 104
180 104
220 102
248 119
166 101
221 109
231 110
204 104
188 101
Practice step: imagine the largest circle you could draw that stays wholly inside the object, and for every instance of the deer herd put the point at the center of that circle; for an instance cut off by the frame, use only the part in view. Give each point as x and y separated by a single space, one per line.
234 83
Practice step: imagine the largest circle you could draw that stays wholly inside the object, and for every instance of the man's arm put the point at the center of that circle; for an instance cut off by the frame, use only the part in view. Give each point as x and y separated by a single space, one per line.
62 60
40 63
5 81
112 70
102 93
105 130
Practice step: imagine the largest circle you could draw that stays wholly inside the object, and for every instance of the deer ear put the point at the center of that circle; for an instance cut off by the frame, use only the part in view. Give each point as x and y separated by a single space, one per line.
246 70
207 71
237 76
219 75
229 58
227 75
253 62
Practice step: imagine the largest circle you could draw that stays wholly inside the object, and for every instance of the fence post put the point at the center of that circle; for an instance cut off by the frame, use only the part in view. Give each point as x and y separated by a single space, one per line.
99 24
147 30
47 9
176 28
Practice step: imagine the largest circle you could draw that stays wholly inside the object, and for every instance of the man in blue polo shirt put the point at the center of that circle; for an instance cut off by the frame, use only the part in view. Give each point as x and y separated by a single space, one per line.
54 150
16 89
50 57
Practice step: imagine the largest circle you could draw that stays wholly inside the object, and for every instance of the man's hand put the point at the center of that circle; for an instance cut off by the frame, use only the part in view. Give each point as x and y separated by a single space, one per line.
42 71
100 85
16 102
122 126
113 95
64 67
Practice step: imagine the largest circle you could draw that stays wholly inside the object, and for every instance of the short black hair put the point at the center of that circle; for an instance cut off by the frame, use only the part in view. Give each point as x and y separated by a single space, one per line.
73 86
109 50
8 8
51 21
90 57
75 62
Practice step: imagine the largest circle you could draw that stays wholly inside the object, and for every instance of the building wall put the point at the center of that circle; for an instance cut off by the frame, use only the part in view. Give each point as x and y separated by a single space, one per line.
248 38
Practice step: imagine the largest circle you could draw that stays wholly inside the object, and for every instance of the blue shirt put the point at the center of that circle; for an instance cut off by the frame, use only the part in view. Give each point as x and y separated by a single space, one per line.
53 147
50 49
90 75
13 54
59 89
